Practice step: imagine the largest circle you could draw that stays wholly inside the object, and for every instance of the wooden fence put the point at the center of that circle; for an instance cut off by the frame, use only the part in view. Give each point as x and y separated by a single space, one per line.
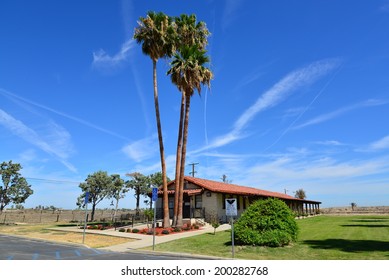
60 216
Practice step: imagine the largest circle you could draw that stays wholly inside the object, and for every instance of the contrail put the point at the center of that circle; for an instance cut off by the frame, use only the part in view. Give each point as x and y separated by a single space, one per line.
86 123
306 109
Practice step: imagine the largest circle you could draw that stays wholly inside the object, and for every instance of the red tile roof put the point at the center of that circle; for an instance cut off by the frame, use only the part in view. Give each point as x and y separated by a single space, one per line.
221 187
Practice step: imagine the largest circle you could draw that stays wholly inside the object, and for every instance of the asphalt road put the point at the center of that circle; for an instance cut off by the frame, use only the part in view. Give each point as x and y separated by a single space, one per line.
19 248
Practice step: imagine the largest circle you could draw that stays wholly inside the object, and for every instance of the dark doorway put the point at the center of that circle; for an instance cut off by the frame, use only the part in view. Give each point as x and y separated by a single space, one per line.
186 207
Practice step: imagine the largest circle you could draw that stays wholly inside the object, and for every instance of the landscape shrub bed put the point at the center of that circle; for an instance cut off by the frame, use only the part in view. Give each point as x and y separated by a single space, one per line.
165 231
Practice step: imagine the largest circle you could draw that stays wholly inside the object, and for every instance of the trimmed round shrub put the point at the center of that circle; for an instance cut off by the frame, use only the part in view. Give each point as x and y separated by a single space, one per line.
135 230
165 231
268 222
122 229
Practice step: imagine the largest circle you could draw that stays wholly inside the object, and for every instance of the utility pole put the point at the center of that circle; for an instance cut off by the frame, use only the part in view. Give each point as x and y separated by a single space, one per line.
193 168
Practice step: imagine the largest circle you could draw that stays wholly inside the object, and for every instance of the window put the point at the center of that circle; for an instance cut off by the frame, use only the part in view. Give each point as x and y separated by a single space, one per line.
171 202
198 201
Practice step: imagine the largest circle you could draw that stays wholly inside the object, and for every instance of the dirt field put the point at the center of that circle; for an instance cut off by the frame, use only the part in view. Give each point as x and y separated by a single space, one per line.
57 216
42 231
376 210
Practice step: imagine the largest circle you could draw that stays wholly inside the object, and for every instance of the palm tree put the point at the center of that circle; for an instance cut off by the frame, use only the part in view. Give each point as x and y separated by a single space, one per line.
189 32
188 73
156 34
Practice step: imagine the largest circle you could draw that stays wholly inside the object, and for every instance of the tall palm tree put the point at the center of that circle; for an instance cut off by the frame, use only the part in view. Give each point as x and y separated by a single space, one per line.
156 34
189 32
188 73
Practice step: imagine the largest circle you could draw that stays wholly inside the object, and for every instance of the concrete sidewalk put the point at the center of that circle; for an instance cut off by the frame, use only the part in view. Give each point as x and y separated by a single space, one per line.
139 241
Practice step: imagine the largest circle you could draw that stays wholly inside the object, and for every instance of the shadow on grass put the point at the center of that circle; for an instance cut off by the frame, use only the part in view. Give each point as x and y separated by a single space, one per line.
380 220
346 245
370 226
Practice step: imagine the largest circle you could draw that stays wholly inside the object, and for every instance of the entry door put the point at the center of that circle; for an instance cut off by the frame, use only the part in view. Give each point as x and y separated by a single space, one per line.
186 207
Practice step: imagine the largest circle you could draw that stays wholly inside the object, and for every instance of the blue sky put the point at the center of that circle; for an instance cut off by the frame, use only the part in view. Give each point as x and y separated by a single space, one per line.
300 97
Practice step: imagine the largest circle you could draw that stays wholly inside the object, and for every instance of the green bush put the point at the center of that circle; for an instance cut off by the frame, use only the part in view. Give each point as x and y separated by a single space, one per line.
135 230
268 222
165 231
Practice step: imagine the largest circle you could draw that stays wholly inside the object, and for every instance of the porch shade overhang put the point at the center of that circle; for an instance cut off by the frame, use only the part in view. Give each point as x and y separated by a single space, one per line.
187 192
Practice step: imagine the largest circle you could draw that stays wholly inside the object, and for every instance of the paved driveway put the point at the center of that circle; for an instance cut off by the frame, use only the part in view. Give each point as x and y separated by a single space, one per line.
19 248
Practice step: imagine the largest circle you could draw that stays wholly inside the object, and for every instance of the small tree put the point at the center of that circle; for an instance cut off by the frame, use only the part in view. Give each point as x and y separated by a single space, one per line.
215 225
353 205
300 193
14 188
268 222
213 219
99 186
118 191
149 213
140 184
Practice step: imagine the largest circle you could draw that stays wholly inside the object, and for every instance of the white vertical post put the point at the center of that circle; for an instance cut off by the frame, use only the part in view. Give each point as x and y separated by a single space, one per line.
86 216
154 198
232 237
231 211
154 223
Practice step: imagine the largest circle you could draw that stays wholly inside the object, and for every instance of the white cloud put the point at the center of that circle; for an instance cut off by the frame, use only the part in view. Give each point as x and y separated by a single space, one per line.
341 111
56 144
381 144
103 60
329 143
318 175
230 13
272 97
16 98
141 149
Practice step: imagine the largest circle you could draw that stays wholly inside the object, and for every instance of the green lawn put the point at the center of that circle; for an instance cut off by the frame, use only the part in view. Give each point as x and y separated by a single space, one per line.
320 238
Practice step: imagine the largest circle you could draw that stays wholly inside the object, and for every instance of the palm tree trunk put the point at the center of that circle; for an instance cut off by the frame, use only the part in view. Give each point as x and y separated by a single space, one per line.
183 156
178 161
166 218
